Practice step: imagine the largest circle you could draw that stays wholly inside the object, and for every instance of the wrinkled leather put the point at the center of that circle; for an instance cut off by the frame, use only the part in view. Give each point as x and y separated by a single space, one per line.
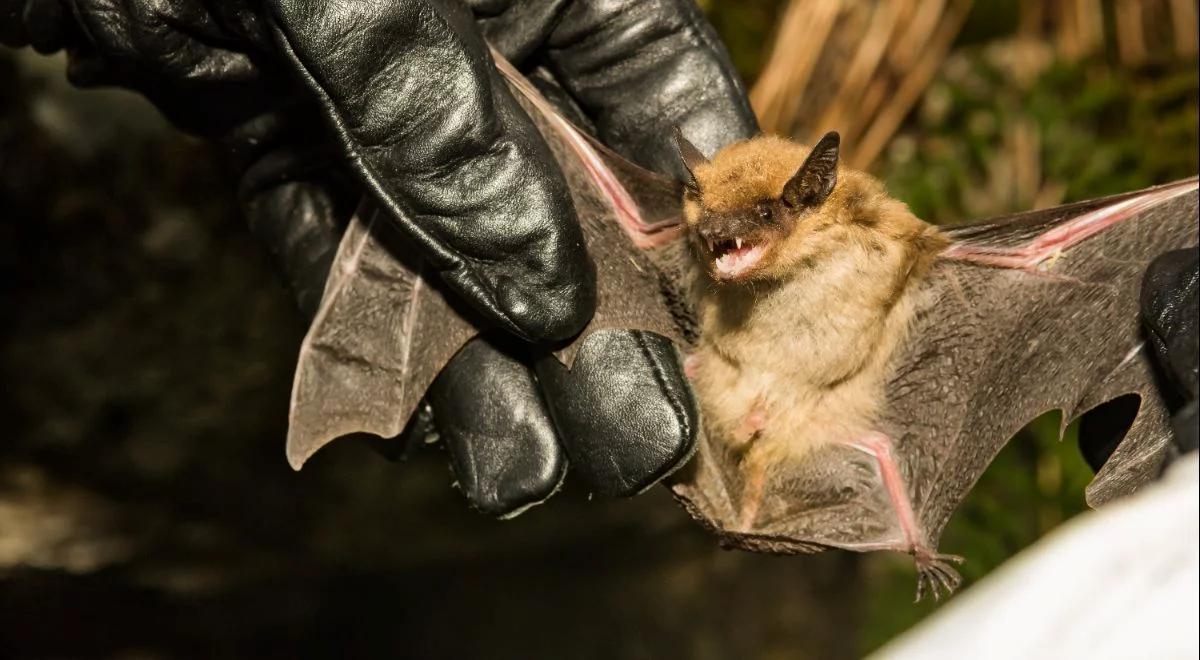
623 411
295 196
180 54
318 101
636 68
1184 423
629 71
409 90
47 25
504 449
1170 311
1169 301
210 68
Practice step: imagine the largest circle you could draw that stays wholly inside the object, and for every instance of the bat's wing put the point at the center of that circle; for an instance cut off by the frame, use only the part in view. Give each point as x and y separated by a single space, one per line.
1020 316
385 329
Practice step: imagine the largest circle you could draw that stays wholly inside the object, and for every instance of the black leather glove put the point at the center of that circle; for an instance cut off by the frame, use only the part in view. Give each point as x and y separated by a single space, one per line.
403 89
1170 306
624 416
1169 311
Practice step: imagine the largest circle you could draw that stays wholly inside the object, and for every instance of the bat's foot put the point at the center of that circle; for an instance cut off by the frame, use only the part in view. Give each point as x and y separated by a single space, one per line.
935 573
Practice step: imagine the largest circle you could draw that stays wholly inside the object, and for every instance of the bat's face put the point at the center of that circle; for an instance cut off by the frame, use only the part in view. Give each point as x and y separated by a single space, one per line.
739 244
748 210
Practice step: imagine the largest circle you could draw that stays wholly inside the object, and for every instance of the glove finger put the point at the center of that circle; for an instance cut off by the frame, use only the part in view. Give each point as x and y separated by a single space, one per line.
1169 314
46 25
298 223
1169 309
1187 435
624 412
204 78
294 204
516 29
640 67
12 25
490 415
436 138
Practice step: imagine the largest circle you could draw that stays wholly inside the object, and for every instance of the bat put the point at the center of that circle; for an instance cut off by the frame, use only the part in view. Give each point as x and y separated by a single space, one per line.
811 279
829 314
1003 320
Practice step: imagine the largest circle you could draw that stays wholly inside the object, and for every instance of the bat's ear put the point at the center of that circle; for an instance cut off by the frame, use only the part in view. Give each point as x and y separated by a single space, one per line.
691 156
816 178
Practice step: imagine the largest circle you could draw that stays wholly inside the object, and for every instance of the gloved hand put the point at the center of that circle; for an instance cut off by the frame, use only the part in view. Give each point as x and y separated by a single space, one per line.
399 96
1169 316
632 70
1170 305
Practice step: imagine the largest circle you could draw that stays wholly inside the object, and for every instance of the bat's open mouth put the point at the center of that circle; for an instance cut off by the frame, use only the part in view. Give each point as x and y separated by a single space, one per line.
735 257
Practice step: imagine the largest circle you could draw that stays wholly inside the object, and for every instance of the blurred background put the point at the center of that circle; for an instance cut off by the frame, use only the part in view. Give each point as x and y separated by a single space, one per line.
147 511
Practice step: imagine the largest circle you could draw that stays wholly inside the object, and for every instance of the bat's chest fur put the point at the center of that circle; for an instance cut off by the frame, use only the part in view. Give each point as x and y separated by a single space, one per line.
801 363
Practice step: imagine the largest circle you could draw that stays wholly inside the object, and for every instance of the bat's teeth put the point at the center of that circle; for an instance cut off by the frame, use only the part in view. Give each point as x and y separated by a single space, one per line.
738 243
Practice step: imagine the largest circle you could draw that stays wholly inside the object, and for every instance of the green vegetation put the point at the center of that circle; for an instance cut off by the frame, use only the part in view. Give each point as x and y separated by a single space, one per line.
1077 130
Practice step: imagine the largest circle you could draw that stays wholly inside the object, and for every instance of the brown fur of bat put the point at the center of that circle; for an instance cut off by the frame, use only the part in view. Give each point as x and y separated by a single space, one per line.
795 351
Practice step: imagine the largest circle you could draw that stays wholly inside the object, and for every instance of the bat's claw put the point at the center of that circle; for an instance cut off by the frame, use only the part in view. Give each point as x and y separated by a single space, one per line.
936 574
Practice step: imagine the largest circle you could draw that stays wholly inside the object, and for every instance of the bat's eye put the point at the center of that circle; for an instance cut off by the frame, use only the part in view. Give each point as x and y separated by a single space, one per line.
764 210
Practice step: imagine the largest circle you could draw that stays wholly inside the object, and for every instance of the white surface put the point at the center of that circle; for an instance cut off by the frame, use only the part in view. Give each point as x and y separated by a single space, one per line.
1121 582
